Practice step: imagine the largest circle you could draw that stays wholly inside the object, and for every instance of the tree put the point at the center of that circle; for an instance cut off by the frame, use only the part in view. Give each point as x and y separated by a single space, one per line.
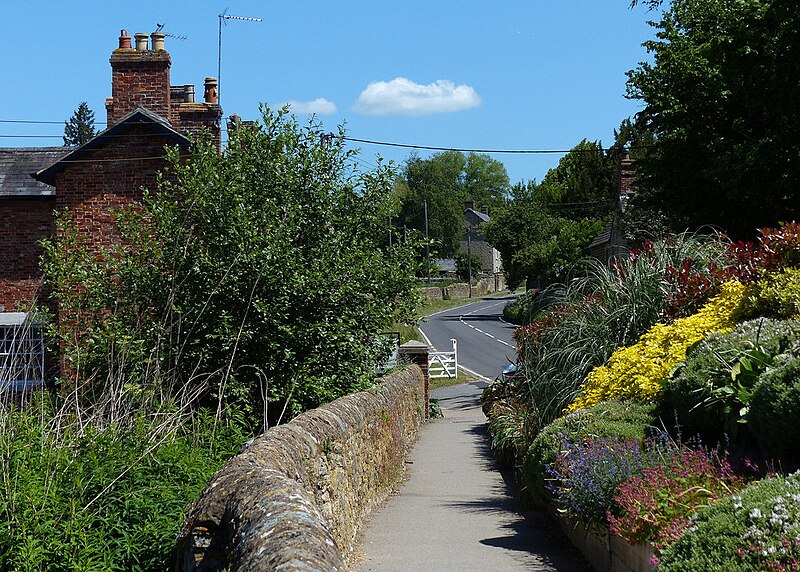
80 127
445 181
258 277
546 227
722 101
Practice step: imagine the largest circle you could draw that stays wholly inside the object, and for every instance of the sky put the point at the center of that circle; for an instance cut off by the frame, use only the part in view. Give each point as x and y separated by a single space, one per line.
510 75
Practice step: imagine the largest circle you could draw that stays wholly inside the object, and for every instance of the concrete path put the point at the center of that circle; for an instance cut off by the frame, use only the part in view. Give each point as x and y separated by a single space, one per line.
456 511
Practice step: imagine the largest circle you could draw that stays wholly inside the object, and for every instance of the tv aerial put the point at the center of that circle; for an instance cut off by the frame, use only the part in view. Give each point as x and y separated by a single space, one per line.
223 18
160 27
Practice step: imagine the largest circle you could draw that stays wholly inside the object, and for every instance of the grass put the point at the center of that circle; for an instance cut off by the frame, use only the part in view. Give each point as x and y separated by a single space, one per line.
461 377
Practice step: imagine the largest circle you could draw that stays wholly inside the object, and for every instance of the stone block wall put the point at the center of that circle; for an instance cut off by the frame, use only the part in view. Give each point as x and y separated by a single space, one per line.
295 498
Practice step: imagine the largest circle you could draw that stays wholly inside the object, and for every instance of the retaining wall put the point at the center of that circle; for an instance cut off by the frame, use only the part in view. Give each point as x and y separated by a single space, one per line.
294 499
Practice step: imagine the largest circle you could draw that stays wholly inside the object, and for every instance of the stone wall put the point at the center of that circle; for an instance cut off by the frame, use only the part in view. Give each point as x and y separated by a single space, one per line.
294 499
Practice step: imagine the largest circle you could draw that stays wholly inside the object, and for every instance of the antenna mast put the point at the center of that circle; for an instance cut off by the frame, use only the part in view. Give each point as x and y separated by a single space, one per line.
222 18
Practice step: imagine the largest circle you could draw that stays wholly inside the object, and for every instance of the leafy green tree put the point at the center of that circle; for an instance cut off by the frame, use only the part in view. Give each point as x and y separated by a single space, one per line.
546 227
260 276
445 181
721 98
80 127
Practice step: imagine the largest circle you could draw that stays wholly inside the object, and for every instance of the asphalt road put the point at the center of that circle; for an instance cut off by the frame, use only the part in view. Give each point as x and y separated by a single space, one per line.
485 342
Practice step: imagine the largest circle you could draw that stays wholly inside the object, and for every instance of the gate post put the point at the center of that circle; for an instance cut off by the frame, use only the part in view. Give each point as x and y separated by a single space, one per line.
417 352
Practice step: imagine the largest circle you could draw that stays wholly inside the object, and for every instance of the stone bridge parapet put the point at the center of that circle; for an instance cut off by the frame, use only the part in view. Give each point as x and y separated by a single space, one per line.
295 497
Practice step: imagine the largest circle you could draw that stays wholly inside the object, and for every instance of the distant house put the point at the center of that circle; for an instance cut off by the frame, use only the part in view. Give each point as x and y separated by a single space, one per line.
145 113
475 242
611 243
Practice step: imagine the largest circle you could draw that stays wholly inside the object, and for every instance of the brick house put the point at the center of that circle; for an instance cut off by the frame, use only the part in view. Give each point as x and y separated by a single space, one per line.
145 113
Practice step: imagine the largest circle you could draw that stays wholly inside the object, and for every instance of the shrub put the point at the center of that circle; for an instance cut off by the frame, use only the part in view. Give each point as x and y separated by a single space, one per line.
640 370
586 475
619 420
759 529
775 411
710 392
655 505
775 295
525 308
607 308
100 499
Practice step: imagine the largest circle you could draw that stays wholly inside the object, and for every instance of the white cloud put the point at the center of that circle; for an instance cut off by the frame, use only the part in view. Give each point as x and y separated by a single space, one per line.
402 96
319 106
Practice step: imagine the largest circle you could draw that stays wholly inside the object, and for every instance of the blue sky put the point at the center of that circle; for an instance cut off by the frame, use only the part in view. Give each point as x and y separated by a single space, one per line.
517 74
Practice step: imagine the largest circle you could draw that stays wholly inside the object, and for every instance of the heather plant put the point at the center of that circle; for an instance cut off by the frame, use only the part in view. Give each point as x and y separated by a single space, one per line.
586 474
710 393
606 308
757 529
655 505
640 371
619 420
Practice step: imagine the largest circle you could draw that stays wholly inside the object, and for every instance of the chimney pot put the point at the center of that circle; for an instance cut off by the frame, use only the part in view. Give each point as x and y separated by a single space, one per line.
141 42
210 94
158 40
469 205
124 40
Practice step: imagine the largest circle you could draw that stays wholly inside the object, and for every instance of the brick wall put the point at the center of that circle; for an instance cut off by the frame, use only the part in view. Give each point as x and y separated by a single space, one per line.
23 222
139 78
112 177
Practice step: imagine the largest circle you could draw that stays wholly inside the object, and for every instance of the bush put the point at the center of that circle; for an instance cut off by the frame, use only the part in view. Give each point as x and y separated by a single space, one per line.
708 393
655 505
759 529
639 371
775 295
775 411
100 499
619 420
586 475
607 308
463 266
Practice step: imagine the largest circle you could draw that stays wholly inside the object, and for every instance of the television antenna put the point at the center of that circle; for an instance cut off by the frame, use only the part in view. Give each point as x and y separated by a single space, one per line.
160 27
224 17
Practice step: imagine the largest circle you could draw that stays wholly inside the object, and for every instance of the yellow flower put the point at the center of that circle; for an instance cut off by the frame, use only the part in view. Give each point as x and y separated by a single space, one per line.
640 370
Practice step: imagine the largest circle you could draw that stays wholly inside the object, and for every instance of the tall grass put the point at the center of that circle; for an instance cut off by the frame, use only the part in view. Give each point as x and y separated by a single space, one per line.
605 308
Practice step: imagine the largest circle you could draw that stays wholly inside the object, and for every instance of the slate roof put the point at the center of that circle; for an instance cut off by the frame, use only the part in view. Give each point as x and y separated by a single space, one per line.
139 116
17 166
482 216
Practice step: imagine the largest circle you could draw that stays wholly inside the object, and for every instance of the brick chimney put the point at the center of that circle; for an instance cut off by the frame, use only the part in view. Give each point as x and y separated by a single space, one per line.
139 76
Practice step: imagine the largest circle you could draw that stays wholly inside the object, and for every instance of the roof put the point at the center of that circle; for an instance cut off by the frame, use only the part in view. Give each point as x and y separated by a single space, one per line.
482 216
604 237
137 117
17 166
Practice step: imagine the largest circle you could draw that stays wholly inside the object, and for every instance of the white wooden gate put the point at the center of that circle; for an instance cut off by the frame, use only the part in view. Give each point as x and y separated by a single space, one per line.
444 364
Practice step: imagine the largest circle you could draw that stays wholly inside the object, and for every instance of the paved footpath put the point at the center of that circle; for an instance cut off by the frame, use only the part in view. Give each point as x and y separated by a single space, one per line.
456 511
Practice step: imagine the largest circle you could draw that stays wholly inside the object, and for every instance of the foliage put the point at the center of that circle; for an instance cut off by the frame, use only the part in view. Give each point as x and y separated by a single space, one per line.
463 266
710 392
640 370
510 427
445 181
262 273
775 410
80 127
758 529
776 295
94 498
618 420
523 309
546 227
720 99
655 505
586 475
607 308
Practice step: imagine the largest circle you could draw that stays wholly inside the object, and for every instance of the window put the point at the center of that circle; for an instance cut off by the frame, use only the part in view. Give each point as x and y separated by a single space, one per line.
21 351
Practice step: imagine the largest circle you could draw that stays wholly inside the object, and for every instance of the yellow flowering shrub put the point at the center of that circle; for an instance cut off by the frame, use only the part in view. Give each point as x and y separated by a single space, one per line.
639 370
775 295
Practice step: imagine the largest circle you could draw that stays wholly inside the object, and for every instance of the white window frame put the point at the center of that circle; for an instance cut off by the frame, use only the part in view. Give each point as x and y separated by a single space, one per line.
22 351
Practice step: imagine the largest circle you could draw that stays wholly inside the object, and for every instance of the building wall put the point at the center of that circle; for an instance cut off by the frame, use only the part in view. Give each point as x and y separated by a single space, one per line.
108 179
23 222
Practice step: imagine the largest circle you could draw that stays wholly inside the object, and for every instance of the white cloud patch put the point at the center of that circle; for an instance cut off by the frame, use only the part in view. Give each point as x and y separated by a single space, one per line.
402 96
319 106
